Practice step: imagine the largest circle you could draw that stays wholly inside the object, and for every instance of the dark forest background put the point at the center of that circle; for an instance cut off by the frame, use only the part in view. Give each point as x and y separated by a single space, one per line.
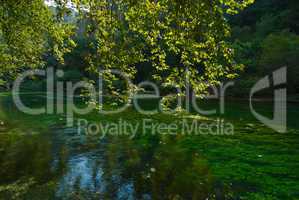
266 37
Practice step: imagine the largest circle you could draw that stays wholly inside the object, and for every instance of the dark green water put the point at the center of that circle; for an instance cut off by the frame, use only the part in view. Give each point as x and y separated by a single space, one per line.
41 158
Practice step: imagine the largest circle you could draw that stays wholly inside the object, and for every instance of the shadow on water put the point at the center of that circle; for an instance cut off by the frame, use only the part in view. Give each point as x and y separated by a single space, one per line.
40 158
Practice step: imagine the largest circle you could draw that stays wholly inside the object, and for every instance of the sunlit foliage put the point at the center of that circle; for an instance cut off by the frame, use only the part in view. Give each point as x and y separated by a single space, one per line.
28 32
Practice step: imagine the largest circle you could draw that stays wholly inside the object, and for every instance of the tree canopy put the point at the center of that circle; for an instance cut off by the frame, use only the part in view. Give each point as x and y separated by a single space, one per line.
28 32
179 39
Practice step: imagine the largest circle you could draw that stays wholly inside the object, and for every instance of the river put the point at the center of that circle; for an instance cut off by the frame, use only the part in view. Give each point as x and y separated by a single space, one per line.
42 158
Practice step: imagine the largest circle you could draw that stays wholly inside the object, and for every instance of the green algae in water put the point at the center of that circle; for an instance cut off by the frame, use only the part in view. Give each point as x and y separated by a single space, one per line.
43 159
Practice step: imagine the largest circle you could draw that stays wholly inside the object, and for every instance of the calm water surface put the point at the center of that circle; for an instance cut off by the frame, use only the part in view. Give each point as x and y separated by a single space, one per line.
41 158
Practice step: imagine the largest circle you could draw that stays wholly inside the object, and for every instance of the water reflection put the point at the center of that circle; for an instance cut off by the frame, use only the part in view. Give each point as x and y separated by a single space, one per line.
120 168
42 159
